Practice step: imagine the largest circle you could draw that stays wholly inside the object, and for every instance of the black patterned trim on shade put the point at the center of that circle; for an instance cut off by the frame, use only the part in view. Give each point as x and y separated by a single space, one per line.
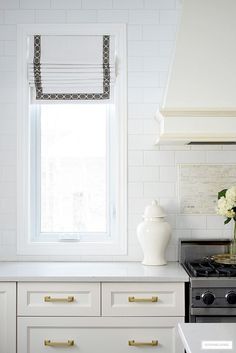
71 96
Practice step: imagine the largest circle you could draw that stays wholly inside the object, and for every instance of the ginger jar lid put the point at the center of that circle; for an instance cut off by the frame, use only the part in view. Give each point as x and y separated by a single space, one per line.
154 211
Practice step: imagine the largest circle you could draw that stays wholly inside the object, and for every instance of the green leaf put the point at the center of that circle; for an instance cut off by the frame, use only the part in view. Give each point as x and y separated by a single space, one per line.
227 220
222 193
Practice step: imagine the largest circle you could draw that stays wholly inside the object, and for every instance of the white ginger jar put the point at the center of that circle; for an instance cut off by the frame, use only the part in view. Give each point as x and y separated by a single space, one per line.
154 235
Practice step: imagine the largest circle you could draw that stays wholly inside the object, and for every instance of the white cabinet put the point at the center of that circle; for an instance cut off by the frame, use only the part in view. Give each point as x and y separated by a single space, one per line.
58 299
101 335
143 299
7 317
117 317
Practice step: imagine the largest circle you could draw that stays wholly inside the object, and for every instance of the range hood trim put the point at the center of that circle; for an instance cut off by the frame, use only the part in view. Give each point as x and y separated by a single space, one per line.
210 112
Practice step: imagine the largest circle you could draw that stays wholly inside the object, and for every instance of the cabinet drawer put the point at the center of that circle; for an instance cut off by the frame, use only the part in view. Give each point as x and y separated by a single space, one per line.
101 335
143 299
58 299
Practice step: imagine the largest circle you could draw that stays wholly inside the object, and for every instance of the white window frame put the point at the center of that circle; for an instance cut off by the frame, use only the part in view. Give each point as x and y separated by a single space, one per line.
25 244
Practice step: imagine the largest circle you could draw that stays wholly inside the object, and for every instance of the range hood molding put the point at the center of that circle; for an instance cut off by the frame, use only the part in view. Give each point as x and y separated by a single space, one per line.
202 78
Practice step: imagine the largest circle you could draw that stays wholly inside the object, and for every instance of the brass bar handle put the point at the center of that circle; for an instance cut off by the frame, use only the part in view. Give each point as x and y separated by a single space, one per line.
49 299
143 300
49 343
142 344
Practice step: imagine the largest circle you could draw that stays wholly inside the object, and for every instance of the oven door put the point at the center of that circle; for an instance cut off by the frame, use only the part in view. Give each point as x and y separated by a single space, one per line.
202 319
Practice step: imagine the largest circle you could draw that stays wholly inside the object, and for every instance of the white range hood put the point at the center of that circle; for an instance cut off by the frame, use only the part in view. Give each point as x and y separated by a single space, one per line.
200 100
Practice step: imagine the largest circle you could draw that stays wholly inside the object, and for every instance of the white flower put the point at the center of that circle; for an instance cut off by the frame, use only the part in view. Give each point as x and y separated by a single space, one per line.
224 208
231 195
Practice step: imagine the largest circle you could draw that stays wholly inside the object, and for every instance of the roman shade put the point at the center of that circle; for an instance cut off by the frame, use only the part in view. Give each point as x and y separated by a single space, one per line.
71 67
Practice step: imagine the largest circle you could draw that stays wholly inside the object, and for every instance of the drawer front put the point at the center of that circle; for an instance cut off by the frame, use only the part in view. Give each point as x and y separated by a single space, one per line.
54 335
143 299
58 299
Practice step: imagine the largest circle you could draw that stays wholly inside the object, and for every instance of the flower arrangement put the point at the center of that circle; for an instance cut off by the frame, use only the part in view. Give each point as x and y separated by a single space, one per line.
226 206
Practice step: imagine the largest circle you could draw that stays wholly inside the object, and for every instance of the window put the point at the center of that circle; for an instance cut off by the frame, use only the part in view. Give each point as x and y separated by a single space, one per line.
71 152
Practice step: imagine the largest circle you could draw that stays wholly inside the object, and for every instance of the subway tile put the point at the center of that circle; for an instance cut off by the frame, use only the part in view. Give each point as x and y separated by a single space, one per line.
135 126
158 158
10 48
135 94
150 126
217 222
65 4
134 32
50 16
135 158
159 32
191 222
169 17
8 94
152 94
143 174
156 190
7 32
156 63
135 189
2 16
81 16
2 48
190 157
135 64
168 174
95 4
159 4
144 79
221 157
166 48
144 17
9 4
109 16
35 4
7 63
142 142
128 4
19 16
143 48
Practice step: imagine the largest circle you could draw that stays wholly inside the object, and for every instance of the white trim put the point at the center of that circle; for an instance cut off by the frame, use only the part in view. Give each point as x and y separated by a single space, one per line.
24 244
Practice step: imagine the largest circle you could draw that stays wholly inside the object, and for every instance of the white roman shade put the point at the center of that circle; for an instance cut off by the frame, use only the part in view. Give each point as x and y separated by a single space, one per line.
71 67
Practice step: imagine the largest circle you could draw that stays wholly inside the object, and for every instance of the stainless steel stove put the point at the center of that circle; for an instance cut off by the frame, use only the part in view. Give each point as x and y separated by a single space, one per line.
211 294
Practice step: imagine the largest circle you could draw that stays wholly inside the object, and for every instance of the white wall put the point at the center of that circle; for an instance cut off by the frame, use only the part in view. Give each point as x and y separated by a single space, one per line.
152 169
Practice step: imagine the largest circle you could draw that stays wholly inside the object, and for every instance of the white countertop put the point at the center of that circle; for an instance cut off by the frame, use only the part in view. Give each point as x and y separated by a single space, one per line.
208 337
91 272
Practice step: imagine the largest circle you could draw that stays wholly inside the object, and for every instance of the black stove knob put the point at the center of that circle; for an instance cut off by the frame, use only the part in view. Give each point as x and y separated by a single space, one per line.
231 297
208 298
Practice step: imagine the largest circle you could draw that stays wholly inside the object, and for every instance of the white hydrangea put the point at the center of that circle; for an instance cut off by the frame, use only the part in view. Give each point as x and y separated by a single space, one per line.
224 207
231 195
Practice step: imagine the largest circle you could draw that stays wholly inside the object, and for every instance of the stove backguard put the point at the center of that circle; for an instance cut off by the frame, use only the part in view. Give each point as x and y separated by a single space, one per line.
198 249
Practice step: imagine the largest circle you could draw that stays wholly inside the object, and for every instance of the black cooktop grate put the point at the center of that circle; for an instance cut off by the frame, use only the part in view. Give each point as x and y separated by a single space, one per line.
208 268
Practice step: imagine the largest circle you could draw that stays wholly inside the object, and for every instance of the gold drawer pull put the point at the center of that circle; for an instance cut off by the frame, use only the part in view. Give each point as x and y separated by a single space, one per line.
141 344
49 343
49 299
143 300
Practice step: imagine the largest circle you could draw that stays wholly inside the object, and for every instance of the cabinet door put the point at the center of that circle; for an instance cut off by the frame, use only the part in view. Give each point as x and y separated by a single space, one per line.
100 335
7 317
58 299
143 299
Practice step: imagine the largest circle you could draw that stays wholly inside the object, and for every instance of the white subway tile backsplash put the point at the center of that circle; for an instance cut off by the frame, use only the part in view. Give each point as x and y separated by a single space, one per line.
143 48
19 16
152 169
191 222
50 16
156 190
34 4
9 4
159 4
7 32
160 158
116 16
135 158
144 17
169 17
127 4
159 32
81 16
135 189
143 174
94 4
65 4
